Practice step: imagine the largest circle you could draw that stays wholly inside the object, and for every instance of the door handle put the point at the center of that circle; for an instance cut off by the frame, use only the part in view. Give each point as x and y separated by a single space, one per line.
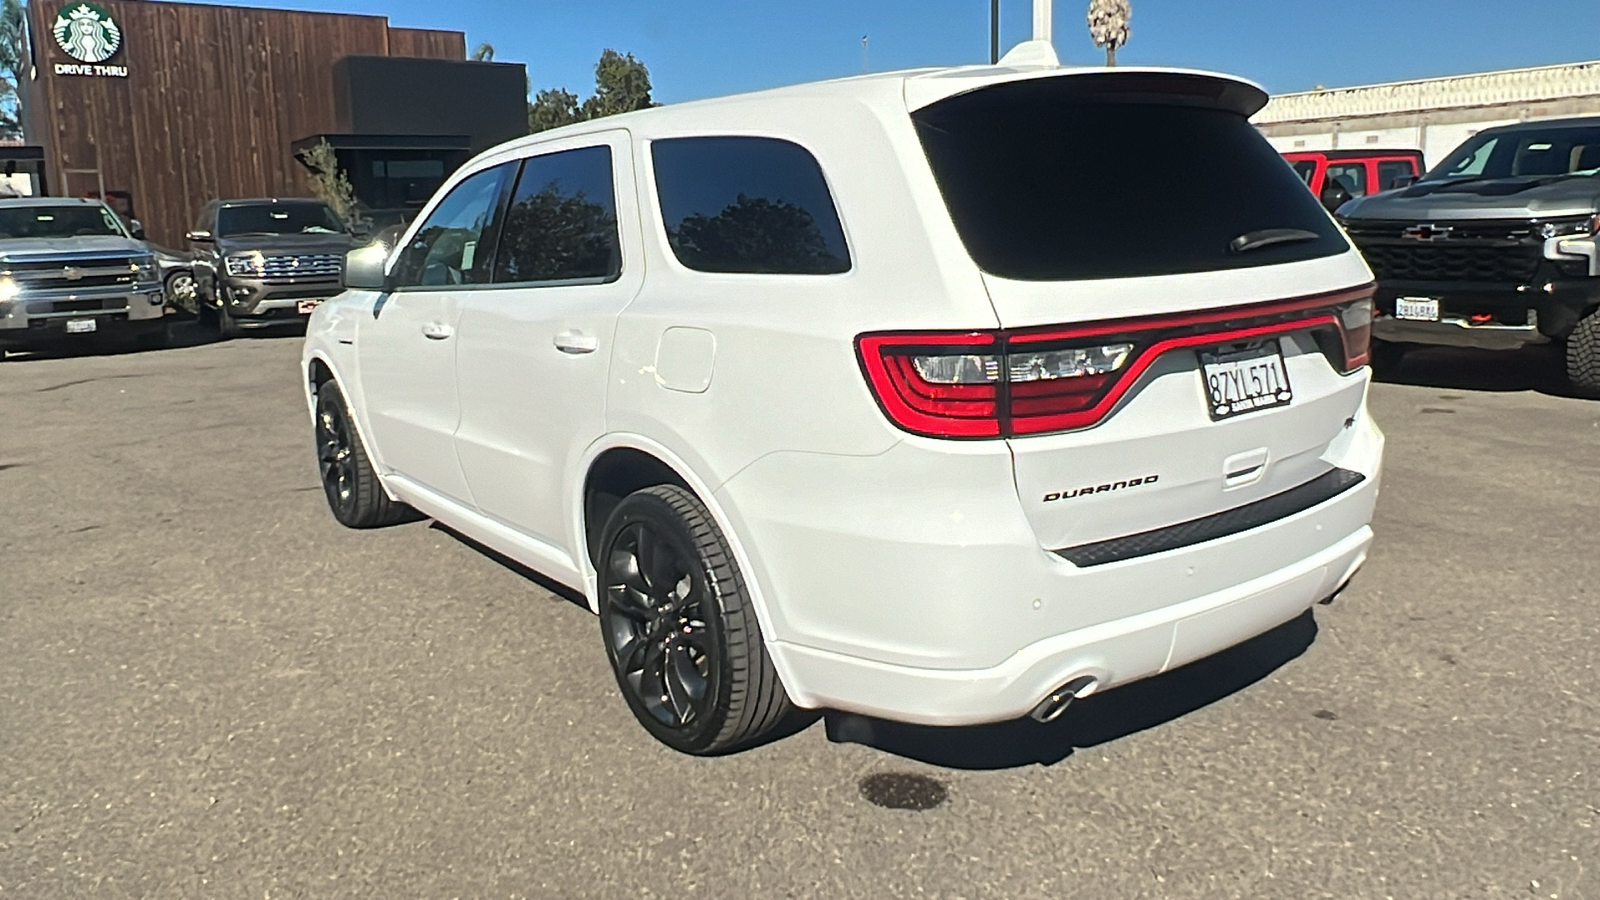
576 342
437 331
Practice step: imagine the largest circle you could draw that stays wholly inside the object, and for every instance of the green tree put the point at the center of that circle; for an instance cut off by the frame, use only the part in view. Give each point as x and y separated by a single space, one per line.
12 59
330 183
553 109
621 84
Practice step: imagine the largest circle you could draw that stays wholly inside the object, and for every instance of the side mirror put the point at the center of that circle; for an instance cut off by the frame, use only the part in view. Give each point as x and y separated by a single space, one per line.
363 268
200 237
137 228
361 231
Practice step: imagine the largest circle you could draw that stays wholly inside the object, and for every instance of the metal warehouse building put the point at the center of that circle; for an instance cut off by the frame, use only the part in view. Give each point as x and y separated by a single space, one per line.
1434 115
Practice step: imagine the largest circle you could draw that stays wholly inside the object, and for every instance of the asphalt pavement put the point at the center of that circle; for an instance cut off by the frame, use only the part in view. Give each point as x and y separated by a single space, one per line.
208 688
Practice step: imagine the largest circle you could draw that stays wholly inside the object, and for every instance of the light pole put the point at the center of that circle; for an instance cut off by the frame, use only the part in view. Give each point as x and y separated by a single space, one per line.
994 31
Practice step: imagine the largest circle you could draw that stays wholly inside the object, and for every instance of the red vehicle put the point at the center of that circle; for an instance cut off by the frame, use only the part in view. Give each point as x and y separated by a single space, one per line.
1338 176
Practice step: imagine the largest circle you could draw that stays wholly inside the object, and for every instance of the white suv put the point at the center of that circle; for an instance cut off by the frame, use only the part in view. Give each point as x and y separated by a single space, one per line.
943 396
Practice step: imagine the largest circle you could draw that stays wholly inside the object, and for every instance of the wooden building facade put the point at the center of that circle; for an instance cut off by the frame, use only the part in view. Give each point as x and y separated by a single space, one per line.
172 104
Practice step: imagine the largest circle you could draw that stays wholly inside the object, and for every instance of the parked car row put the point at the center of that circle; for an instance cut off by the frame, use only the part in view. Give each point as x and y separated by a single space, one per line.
72 270
1498 246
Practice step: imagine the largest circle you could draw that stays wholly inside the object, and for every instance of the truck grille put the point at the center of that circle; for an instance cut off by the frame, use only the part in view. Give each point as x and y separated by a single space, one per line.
1505 251
291 269
68 276
94 304
1434 262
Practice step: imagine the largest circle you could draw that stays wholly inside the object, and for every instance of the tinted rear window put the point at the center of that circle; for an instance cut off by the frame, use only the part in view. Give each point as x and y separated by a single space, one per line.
1046 181
748 204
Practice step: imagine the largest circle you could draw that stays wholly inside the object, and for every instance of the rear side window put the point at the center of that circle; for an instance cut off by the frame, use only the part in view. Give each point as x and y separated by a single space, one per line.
562 221
1393 170
1048 180
748 204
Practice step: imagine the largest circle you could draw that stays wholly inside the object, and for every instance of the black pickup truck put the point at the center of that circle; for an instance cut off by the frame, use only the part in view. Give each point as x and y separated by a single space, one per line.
1495 247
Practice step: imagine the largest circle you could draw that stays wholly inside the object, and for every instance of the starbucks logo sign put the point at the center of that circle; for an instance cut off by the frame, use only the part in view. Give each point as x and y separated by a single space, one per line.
87 32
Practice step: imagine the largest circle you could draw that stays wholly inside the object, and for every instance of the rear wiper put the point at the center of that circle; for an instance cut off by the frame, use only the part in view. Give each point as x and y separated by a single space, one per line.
1267 237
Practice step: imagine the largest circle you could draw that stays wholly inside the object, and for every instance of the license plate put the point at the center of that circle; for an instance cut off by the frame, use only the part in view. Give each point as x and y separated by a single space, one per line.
305 307
1245 379
81 326
1417 309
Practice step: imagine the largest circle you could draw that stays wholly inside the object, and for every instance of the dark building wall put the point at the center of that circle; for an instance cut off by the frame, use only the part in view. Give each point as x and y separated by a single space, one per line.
487 102
213 97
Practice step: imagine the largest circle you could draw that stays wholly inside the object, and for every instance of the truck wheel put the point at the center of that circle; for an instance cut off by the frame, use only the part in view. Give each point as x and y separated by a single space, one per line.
1583 355
679 627
227 325
348 477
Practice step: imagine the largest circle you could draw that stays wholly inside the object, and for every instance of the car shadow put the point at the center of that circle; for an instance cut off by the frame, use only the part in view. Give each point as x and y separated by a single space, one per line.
1537 367
1097 720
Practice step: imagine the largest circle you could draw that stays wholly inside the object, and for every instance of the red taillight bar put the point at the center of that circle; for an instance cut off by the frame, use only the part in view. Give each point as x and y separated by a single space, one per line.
1003 409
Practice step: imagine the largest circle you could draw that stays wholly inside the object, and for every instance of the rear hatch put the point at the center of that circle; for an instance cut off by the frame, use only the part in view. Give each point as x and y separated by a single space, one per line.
1182 325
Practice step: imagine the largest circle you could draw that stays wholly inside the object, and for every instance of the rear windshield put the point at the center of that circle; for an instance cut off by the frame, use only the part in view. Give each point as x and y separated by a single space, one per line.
1530 152
277 218
1047 181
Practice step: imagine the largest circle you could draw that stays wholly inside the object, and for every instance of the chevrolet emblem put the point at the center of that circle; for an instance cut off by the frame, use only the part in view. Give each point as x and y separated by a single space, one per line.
1427 232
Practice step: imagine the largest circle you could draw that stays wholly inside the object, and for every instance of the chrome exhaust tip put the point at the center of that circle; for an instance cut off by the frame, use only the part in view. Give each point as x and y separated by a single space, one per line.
1052 706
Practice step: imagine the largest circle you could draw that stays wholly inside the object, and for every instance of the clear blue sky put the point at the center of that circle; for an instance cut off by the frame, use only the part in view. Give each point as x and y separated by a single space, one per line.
709 47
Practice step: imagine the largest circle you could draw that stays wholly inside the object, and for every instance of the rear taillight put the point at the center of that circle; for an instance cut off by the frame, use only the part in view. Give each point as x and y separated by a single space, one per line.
984 384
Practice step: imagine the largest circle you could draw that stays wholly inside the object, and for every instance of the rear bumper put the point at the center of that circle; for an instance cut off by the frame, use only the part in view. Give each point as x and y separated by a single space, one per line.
1112 654
911 586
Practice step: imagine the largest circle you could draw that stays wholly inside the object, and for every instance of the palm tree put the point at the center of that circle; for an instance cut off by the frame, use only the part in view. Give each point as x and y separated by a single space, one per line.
1108 25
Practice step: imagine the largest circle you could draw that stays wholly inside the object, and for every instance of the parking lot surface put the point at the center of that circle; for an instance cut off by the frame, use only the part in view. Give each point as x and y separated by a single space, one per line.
210 689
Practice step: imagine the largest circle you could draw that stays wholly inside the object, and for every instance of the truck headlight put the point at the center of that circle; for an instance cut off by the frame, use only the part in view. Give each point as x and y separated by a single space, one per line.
146 270
1577 227
245 264
9 289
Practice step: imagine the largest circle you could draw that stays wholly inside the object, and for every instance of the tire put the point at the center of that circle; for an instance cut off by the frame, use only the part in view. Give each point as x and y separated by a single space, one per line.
1583 355
679 628
227 325
349 480
182 292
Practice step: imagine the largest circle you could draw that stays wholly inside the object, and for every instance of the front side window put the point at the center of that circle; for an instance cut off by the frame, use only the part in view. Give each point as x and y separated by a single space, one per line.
1306 169
748 205
59 221
1352 175
562 221
452 245
277 218
1115 176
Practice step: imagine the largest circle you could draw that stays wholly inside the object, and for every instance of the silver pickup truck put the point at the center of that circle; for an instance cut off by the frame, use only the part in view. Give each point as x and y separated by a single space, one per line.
71 271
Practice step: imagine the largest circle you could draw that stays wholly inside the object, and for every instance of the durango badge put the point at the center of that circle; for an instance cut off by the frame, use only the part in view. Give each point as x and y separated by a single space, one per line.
1101 489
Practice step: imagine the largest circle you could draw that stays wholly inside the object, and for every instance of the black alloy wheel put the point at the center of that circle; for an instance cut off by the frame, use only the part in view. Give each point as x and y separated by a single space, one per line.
662 625
679 628
349 480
